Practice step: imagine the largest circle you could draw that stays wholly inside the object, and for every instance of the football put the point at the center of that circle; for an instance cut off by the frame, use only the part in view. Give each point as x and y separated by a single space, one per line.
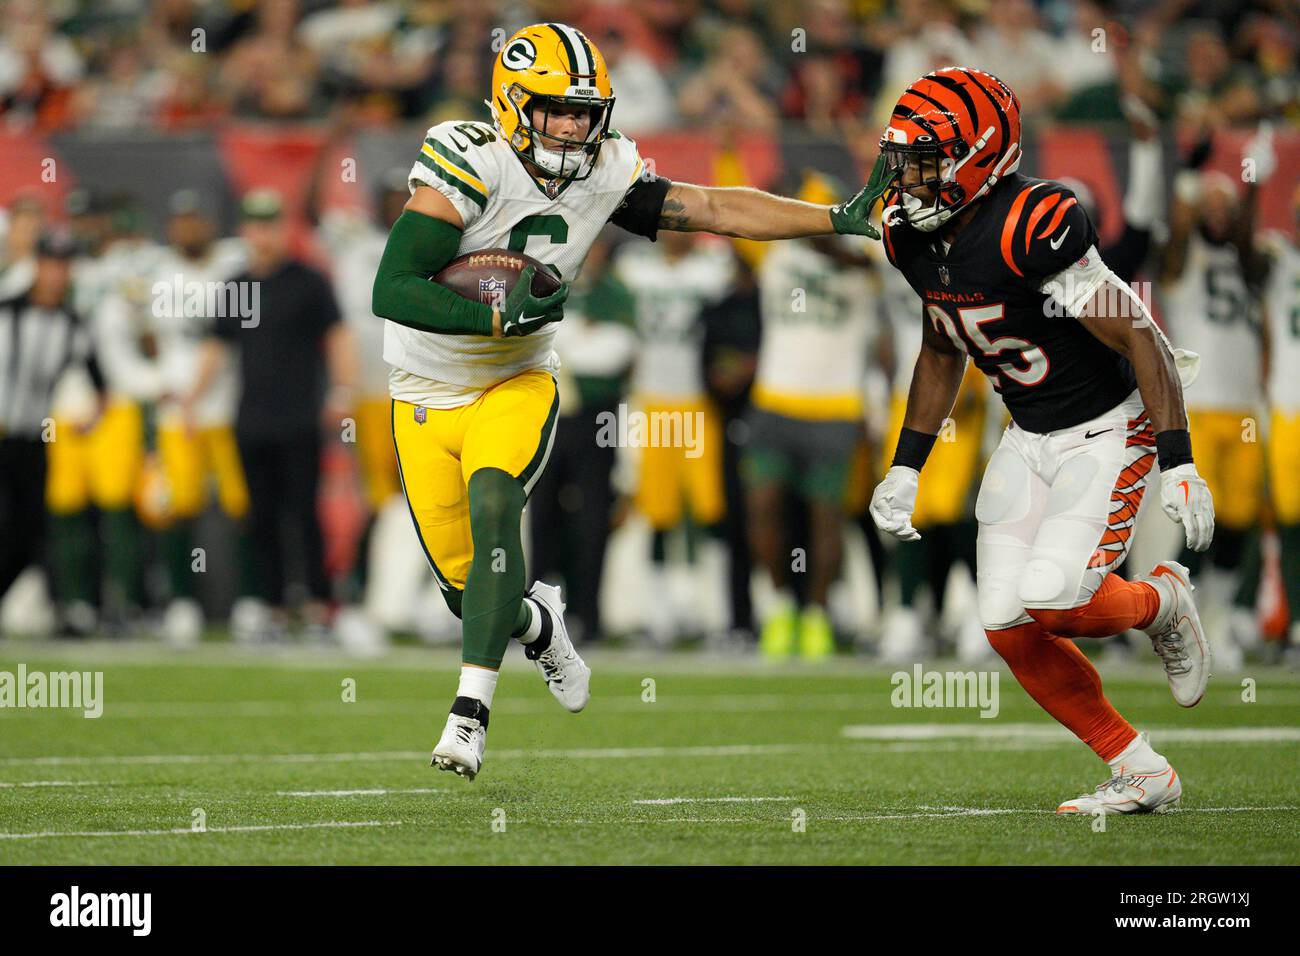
489 275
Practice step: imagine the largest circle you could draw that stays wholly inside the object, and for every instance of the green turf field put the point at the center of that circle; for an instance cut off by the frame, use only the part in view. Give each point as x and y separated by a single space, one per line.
719 768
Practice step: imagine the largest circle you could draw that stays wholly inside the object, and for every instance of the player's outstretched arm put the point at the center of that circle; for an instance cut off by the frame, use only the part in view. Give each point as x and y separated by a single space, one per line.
745 213
936 379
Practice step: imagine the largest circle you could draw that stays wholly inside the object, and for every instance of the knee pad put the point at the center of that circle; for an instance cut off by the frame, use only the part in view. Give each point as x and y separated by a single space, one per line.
999 603
1042 582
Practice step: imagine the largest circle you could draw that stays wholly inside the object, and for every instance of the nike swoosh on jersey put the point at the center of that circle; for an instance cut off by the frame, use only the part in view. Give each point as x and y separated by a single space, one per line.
1056 243
1095 434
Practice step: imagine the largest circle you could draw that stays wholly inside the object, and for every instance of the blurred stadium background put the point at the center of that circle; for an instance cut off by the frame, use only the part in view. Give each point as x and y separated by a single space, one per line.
140 126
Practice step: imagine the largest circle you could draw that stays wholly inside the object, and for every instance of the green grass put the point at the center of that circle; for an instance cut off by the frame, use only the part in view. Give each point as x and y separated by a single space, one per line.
250 728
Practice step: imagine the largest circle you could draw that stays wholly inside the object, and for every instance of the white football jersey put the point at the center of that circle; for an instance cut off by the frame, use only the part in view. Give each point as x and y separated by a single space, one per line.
1282 307
503 206
816 322
670 295
119 298
182 326
1208 310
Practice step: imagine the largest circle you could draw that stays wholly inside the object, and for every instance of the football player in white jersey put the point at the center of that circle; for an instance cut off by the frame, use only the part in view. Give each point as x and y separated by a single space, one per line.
672 283
1209 310
474 396
196 443
806 422
103 466
1280 255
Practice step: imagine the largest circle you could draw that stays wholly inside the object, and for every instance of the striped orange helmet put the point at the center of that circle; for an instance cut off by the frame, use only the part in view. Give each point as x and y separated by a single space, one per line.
953 134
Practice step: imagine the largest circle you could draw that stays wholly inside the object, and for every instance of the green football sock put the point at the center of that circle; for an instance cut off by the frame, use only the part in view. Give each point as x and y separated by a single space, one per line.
70 553
177 547
1289 536
122 554
493 604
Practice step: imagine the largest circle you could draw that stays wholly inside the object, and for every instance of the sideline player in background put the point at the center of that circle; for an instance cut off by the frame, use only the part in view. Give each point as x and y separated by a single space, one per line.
1277 258
1209 310
473 387
196 445
678 488
1009 273
806 422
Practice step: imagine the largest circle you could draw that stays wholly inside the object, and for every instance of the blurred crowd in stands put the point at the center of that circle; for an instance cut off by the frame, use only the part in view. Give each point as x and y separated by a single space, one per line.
127 64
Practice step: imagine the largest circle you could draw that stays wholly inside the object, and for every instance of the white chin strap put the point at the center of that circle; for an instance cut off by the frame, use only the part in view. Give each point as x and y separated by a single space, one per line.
924 218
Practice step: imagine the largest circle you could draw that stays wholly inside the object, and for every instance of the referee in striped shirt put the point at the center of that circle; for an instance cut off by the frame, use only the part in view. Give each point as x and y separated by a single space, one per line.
40 336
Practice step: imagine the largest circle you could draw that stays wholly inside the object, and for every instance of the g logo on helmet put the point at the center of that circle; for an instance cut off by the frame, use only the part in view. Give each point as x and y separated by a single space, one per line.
519 55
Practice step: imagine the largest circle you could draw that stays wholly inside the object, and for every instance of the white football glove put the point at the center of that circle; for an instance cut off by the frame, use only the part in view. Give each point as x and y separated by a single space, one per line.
893 502
1186 499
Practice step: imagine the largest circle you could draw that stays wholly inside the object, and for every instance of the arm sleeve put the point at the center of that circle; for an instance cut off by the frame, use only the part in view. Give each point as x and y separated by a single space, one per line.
641 206
418 247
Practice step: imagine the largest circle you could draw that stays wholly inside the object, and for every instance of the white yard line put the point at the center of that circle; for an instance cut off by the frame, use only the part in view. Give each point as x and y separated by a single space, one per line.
628 703
990 730
186 831
356 793
672 801
52 783
589 753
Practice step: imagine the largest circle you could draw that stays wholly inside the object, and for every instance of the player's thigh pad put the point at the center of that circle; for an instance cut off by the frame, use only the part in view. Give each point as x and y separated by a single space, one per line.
512 427
427 444
1066 566
1009 506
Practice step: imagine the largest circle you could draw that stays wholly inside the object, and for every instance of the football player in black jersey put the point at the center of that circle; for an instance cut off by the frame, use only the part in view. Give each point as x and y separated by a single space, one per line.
1008 272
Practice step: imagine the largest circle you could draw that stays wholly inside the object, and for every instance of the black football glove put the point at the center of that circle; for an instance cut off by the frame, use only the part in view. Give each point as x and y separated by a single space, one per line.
523 313
851 218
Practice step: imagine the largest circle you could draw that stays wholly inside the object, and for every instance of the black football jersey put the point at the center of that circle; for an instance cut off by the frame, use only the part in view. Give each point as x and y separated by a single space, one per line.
984 293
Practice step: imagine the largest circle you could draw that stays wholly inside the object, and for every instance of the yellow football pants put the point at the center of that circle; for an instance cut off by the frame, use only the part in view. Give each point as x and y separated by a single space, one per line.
668 480
1231 465
511 426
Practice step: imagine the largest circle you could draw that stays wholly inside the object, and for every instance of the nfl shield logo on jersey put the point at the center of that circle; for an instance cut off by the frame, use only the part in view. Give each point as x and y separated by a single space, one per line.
943 274
421 414
492 292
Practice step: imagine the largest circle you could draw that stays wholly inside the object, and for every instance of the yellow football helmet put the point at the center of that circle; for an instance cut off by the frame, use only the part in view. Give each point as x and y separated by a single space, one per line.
547 65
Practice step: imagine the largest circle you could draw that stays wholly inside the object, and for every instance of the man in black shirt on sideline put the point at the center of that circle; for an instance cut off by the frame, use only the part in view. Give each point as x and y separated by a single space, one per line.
297 369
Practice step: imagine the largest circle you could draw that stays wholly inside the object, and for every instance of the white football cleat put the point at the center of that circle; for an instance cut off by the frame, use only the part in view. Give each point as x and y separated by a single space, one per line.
565 673
1131 791
1177 635
461 746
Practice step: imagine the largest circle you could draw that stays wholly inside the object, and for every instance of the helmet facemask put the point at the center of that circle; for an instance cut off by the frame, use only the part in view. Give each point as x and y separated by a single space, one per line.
563 159
926 166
